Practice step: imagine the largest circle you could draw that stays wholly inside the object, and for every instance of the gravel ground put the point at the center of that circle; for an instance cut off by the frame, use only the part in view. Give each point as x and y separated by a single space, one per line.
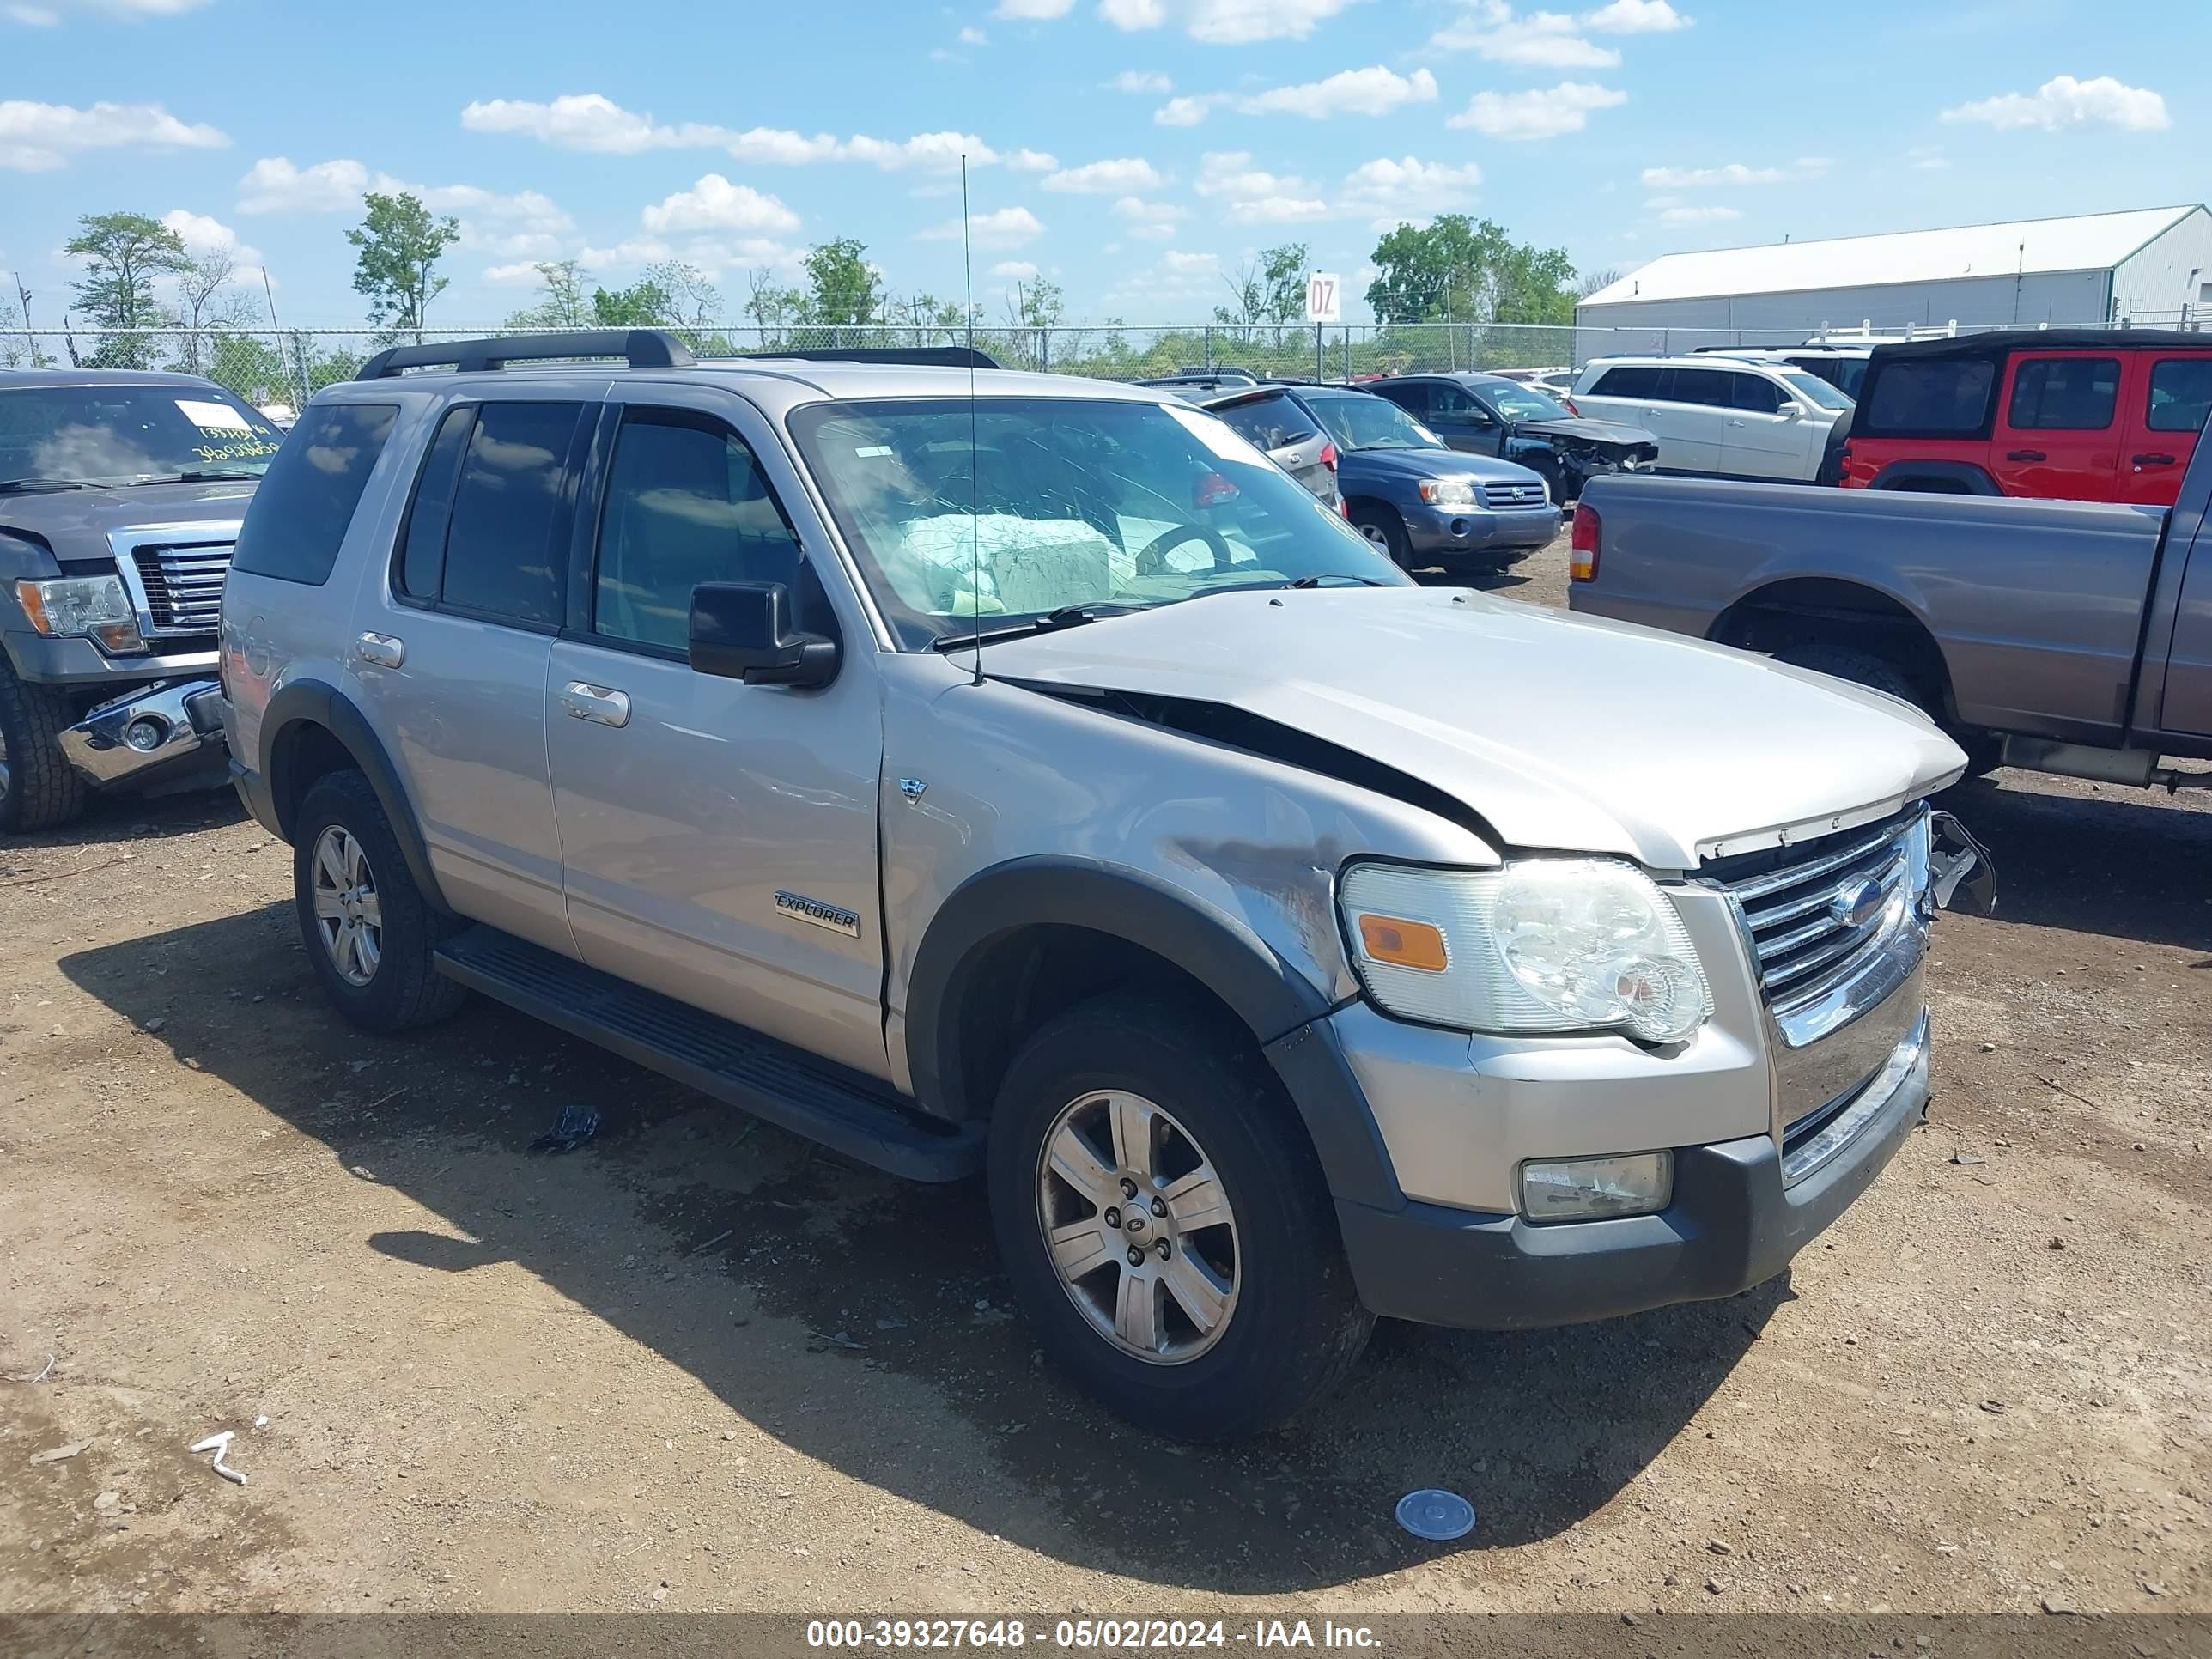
695 1366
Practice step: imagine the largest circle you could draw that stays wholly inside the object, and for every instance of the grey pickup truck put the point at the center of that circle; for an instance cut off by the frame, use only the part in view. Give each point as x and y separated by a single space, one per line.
120 496
2073 637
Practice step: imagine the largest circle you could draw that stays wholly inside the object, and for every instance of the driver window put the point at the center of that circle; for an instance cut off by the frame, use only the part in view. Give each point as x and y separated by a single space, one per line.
685 503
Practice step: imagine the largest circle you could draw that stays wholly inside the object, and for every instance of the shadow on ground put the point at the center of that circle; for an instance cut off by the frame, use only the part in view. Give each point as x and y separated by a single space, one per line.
1538 1429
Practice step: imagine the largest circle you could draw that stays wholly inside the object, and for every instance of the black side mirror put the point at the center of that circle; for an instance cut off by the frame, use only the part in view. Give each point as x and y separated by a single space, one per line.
742 631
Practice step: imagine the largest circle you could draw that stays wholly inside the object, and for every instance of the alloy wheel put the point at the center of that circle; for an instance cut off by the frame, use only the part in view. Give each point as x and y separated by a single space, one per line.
349 915
1138 1227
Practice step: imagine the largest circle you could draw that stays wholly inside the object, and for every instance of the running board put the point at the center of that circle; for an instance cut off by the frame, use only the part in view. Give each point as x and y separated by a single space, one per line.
756 1074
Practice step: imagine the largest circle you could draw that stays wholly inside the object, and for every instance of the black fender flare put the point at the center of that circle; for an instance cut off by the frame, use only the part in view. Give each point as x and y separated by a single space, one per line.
315 702
1286 1012
1972 478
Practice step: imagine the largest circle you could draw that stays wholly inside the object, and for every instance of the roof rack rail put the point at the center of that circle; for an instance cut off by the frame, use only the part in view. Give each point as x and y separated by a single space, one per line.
916 356
642 348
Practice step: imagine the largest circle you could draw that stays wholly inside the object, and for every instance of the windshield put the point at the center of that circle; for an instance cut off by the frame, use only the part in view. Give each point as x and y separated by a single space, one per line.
1846 374
1814 390
119 434
1523 402
1076 503
1359 420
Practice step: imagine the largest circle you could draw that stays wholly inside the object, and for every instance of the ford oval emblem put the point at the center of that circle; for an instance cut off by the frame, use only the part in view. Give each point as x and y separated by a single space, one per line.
1857 902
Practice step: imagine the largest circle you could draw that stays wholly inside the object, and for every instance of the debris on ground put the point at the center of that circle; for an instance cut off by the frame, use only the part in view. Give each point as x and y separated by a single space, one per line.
1436 1515
59 1454
1967 1159
577 1125
220 1444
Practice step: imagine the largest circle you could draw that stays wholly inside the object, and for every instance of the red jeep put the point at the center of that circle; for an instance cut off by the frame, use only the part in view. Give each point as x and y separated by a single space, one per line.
2096 415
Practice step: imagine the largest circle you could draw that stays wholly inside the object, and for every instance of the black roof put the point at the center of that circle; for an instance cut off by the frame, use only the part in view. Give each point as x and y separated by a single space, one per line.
1998 342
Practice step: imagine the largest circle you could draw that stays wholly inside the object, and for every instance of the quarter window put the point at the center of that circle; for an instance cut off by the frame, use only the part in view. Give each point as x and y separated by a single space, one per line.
300 513
685 504
2076 394
422 544
1937 397
505 552
2180 394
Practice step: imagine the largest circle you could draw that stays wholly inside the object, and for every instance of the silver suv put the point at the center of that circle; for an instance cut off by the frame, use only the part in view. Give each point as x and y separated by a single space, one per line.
989 773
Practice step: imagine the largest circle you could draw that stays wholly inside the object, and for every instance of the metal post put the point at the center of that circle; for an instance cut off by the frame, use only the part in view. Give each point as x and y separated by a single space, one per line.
1321 367
1209 347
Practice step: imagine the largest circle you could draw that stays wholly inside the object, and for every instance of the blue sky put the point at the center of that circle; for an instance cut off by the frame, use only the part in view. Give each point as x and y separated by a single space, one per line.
1132 150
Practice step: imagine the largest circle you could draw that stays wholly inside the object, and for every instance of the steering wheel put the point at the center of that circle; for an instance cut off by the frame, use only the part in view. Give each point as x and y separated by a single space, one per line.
1149 562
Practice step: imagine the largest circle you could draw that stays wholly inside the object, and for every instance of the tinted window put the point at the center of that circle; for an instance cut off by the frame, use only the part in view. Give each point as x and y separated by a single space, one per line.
2065 393
1269 423
1755 395
685 504
1627 383
2180 393
1938 398
1452 403
1813 390
1523 402
300 514
1846 374
423 544
1697 386
506 553
1414 399
116 432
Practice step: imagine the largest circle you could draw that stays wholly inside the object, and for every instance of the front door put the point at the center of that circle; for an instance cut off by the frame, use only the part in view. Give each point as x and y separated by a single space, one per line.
2057 432
1759 441
1457 416
718 839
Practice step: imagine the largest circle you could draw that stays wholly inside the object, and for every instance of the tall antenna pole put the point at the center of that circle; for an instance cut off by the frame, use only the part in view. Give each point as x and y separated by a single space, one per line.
975 454
23 298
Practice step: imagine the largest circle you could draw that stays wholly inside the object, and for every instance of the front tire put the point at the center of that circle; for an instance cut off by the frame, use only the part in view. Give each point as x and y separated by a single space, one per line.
1165 1223
1387 531
368 930
38 788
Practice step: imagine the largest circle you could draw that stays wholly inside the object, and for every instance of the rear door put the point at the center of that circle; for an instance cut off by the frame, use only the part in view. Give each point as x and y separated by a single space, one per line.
2058 430
1759 441
2169 402
1691 414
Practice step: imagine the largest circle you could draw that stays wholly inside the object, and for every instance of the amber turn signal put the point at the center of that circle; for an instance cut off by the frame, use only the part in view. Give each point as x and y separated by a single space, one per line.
1403 944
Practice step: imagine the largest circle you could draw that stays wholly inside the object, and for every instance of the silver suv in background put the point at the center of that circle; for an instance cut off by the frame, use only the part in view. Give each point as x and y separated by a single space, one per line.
993 773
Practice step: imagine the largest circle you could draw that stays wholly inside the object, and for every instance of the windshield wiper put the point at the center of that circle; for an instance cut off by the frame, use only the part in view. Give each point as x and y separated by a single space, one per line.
11 486
1335 576
211 475
1066 615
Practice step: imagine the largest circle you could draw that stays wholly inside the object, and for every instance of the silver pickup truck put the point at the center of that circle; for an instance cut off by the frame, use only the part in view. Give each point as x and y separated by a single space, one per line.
2073 637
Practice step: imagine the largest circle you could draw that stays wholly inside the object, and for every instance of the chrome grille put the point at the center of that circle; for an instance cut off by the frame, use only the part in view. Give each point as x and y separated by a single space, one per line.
1509 495
182 584
1796 902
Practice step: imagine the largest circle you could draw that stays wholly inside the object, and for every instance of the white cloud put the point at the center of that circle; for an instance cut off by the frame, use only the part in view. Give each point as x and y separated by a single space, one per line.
1252 195
1033 161
974 37
1409 187
1636 17
1152 221
37 17
933 152
39 137
1698 216
1034 9
1734 173
1014 270
1372 91
1543 39
273 184
202 235
1006 228
590 121
1148 81
714 203
515 275
711 256
1182 111
1536 114
2064 101
1927 158
47 15
1116 177
1225 22
1190 264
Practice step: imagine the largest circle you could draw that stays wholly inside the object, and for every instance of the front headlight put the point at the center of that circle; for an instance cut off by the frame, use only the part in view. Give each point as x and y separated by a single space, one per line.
83 607
1448 492
1541 945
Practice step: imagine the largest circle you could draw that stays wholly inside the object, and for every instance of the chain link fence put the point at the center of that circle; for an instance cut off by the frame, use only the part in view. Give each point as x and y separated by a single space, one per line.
269 368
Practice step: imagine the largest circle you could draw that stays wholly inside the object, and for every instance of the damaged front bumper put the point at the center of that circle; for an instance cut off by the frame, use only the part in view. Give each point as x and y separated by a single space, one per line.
168 728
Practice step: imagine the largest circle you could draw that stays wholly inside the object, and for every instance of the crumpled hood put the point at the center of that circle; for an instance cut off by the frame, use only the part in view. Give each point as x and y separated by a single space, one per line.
1612 432
1432 464
76 523
1562 732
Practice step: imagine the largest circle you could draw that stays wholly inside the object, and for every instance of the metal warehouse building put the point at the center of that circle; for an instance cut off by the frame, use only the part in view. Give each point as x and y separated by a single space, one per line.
2151 267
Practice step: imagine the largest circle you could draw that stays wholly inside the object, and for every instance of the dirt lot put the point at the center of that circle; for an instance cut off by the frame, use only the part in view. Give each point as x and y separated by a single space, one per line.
693 1366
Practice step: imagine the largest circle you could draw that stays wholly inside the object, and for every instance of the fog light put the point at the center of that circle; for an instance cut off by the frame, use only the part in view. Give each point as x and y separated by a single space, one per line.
146 734
1595 1189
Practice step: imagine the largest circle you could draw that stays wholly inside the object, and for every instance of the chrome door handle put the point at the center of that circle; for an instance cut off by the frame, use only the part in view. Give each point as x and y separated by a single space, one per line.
382 649
599 704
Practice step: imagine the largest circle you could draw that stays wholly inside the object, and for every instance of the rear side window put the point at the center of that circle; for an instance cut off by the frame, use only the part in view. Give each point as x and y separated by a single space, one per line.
1627 382
299 515
2076 394
507 551
2180 394
1414 399
1709 386
1939 398
1755 396
422 544
1270 423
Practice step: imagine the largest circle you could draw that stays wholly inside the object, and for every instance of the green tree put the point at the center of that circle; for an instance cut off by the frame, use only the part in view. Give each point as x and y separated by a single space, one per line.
124 254
843 287
1460 269
400 244
561 302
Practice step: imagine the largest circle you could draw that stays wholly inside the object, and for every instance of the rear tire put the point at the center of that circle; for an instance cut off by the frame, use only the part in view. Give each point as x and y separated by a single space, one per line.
370 933
1155 1093
1387 531
38 788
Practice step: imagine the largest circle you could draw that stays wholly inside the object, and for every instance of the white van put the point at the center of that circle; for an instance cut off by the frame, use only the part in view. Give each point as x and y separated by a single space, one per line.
1741 419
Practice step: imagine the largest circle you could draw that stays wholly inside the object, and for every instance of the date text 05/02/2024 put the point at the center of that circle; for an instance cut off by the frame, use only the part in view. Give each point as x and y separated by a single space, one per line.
1088 1635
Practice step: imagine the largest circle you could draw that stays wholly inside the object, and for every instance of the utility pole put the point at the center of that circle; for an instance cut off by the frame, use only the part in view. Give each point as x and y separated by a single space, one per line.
23 298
